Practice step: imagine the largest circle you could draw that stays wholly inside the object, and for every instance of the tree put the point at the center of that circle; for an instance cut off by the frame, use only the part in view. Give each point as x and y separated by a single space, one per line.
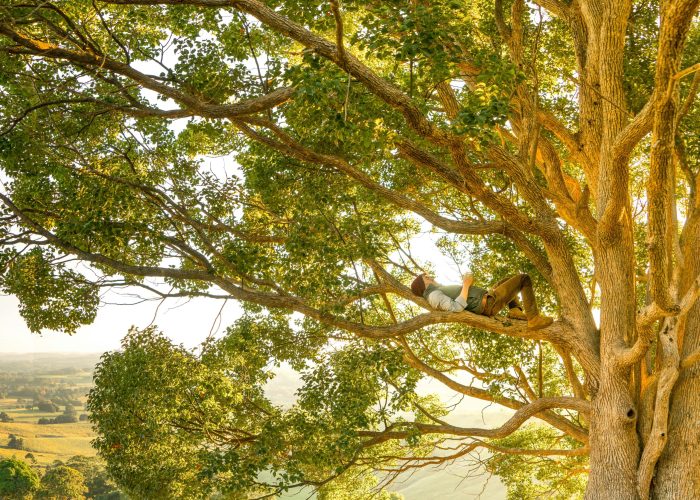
15 442
47 406
62 483
556 138
4 417
69 416
17 480
98 483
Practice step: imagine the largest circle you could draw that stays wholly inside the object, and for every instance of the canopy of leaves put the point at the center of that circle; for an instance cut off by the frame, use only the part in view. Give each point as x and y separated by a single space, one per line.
17 480
62 482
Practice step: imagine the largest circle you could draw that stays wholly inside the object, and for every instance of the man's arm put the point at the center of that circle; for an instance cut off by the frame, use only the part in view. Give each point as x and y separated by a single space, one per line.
467 281
438 300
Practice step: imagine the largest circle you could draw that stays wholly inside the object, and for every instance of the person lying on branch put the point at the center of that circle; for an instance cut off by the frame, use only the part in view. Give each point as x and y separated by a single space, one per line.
478 300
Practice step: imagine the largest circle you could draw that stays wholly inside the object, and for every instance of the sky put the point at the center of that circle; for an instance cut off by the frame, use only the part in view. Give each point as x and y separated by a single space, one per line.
186 322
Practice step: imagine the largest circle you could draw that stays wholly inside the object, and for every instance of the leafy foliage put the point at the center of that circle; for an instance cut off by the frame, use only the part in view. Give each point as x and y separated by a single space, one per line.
51 296
62 482
98 484
17 480
530 477
182 394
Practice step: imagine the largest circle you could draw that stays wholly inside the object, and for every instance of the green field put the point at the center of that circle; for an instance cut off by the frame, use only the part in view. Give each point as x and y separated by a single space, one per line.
47 442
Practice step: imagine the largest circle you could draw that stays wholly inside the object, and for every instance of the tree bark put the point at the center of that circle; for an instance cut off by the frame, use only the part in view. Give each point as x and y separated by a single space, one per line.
613 441
614 444
678 469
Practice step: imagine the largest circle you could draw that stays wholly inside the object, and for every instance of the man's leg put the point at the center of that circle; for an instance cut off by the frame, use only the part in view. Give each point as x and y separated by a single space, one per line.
506 292
513 304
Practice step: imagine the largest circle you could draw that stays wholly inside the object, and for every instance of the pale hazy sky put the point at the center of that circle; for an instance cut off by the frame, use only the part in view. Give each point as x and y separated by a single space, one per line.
184 322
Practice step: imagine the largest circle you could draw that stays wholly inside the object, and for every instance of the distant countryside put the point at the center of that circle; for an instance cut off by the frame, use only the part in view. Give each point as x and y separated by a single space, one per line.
44 424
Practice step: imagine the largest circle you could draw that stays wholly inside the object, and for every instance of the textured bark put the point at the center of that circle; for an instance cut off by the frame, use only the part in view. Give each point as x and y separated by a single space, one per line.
613 441
675 22
614 444
667 351
678 470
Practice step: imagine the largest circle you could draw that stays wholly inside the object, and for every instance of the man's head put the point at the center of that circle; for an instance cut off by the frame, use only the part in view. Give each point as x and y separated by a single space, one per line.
421 282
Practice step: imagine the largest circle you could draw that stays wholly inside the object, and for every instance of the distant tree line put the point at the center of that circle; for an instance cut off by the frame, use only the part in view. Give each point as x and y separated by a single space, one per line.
69 416
51 405
37 389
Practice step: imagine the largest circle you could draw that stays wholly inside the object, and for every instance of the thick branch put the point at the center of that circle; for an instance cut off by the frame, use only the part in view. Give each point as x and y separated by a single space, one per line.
570 140
193 104
136 270
555 332
676 18
633 132
554 7
576 452
291 147
652 314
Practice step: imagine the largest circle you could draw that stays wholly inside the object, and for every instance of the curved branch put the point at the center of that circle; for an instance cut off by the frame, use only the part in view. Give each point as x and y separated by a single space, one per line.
136 270
554 7
291 147
513 424
633 132
576 452
555 332
570 140
385 90
16 121
651 315
466 180
551 418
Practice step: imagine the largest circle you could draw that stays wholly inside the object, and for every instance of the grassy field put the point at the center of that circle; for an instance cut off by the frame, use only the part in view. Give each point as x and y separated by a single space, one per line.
46 442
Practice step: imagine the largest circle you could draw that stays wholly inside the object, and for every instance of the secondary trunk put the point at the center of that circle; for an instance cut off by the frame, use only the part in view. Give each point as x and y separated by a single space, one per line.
678 470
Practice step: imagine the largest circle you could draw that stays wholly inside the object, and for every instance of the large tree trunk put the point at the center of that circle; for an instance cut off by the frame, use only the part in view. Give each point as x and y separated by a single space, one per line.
613 439
614 446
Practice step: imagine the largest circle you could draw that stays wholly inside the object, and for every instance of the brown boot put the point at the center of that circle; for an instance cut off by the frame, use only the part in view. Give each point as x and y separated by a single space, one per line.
538 322
517 313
